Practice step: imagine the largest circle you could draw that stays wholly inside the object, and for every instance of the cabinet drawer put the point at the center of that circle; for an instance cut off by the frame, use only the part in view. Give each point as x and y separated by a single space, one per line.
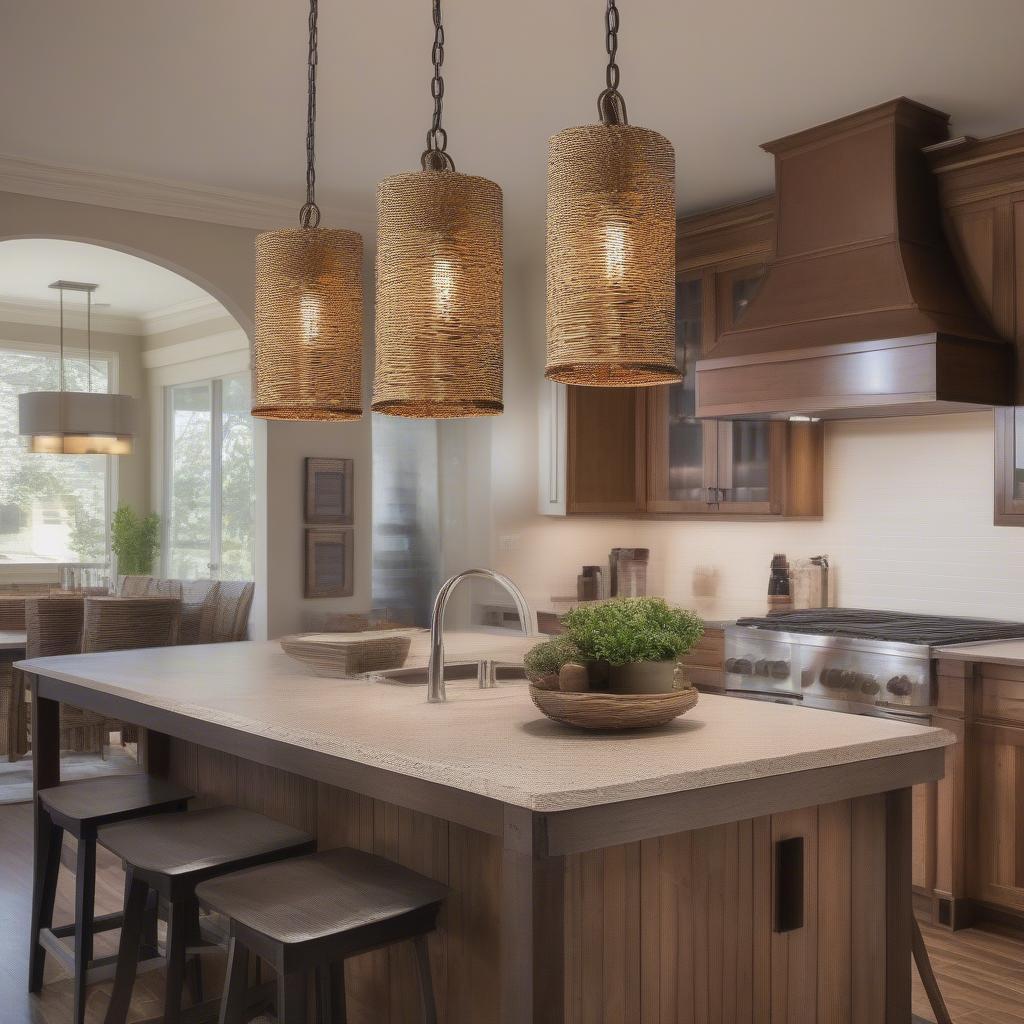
1000 694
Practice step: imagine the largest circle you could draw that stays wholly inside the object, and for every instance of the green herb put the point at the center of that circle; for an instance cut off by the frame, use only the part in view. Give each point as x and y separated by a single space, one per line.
548 657
628 629
135 540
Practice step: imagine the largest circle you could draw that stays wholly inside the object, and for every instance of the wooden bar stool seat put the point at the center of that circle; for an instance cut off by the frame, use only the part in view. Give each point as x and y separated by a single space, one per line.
170 855
307 915
82 809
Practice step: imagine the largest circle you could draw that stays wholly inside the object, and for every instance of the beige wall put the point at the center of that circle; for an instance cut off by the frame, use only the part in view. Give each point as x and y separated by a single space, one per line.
219 259
907 524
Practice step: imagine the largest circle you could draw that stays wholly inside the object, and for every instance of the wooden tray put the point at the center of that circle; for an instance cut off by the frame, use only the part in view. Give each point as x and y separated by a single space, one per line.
343 655
609 711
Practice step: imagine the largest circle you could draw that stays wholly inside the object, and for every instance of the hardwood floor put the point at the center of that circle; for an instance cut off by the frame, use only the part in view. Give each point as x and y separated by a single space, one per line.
981 972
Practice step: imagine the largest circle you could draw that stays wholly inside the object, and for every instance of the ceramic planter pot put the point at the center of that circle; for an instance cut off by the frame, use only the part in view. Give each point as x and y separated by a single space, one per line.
643 677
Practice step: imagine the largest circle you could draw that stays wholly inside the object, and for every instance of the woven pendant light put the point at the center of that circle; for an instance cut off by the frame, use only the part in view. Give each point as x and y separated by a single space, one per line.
308 351
611 231
439 326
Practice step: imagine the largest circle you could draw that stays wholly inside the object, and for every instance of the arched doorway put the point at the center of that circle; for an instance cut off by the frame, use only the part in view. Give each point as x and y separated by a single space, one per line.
164 338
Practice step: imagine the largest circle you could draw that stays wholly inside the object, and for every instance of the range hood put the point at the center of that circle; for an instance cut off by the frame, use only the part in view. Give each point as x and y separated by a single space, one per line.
862 312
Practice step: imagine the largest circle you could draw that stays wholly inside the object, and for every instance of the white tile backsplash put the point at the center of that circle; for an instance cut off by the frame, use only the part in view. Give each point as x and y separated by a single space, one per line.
907 525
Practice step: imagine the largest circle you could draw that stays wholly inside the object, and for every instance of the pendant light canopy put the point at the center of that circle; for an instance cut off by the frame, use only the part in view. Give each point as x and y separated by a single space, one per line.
308 352
611 230
76 422
439 329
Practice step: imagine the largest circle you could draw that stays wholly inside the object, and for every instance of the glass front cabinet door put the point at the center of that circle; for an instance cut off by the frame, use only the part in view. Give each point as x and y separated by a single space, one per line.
1009 510
696 466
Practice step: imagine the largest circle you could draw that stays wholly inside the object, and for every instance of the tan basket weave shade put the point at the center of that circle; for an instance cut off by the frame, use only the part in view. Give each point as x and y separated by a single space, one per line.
611 257
439 296
308 355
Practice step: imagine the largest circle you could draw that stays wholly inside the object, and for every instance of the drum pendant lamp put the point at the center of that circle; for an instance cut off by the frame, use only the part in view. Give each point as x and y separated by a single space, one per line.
308 349
439 318
611 228
77 422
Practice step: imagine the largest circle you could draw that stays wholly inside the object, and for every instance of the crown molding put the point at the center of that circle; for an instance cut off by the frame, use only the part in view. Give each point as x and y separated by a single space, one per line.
45 314
158 196
183 314
218 344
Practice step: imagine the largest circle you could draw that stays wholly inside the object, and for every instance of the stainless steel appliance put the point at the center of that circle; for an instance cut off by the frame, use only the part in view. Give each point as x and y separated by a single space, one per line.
848 659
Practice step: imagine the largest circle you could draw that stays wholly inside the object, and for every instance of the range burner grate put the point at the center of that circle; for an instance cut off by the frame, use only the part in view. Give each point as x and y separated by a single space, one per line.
896 627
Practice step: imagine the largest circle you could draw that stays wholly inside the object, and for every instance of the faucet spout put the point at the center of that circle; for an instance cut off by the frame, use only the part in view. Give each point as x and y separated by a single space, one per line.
435 668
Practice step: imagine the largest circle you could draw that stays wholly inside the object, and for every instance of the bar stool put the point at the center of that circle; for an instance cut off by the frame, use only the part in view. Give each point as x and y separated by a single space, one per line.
170 855
82 808
307 915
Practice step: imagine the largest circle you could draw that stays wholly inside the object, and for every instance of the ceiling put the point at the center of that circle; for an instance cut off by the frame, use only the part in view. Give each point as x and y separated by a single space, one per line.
128 286
214 93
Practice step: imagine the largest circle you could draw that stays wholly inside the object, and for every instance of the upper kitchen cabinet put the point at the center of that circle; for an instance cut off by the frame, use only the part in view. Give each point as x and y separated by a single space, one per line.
981 183
642 451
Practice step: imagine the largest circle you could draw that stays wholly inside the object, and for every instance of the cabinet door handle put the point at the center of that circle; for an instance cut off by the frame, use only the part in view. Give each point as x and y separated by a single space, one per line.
789 884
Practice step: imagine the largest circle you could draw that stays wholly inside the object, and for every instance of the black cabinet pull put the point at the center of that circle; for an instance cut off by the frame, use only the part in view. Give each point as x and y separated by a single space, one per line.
789 884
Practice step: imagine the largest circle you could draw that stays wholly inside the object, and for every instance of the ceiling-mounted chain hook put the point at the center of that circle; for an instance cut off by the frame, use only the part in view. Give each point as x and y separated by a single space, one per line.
309 214
435 157
611 107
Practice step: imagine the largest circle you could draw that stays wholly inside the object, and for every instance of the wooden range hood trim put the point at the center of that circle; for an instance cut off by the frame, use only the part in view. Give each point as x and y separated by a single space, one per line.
861 266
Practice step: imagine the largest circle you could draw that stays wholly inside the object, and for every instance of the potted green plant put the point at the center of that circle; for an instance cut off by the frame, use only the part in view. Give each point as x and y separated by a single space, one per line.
640 638
544 662
135 540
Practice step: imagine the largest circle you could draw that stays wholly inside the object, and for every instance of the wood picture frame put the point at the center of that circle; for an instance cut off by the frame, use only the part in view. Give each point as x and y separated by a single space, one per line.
329 562
329 484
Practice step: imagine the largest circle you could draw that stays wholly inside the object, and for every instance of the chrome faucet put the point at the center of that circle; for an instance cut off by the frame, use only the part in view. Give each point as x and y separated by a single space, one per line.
435 668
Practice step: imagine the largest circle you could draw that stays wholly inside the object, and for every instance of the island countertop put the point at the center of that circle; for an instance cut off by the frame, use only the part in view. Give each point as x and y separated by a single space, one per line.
492 743
996 652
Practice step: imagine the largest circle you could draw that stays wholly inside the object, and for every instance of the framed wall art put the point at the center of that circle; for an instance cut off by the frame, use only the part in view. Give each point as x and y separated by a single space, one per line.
329 558
329 492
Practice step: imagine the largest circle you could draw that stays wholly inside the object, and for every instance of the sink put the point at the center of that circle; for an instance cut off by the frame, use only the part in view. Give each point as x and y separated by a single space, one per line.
487 672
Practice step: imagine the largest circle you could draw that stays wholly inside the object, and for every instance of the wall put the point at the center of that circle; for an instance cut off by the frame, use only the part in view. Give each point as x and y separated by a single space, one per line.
907 524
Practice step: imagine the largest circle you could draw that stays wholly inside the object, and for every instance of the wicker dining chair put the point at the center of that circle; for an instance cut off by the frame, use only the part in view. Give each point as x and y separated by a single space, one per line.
125 623
149 586
13 711
226 618
197 600
54 626
12 613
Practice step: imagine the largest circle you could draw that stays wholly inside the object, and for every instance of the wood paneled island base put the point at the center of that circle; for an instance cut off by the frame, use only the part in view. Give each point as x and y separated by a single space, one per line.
672 929
780 894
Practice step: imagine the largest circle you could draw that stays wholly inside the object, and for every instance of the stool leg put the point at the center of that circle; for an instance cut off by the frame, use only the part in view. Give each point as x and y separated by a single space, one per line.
178 918
330 982
426 982
236 982
128 950
85 891
44 890
291 998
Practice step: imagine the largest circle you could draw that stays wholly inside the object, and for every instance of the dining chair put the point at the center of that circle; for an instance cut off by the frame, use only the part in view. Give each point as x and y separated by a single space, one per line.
197 599
149 586
126 623
226 618
53 626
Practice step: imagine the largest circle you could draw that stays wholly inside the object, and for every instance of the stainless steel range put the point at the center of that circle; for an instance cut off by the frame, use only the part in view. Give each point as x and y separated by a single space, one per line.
848 659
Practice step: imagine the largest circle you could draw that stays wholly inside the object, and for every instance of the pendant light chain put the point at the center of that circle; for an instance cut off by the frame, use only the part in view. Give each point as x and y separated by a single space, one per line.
435 157
309 215
88 335
60 371
611 107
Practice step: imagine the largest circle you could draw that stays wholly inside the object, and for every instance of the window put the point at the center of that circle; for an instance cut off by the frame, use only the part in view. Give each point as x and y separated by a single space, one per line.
210 491
53 508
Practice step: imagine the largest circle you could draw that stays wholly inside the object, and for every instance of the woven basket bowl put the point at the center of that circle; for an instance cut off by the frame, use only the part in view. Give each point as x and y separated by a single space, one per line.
611 711
342 657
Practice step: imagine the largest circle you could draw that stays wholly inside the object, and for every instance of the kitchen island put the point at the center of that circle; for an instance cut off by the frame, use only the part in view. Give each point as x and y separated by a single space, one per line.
748 862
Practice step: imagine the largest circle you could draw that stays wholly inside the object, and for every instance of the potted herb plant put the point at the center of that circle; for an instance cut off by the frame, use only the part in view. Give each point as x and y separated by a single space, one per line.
640 638
135 540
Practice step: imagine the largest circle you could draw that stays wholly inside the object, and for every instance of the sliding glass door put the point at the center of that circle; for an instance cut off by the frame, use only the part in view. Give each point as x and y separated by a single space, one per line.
209 492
